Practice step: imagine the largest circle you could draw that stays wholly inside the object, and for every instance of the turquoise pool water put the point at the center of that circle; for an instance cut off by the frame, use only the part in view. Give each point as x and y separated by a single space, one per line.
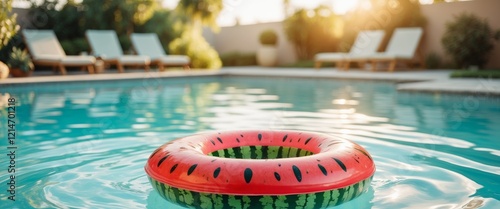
84 145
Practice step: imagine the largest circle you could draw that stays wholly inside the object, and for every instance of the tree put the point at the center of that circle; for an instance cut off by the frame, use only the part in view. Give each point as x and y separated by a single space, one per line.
200 12
189 18
121 16
8 25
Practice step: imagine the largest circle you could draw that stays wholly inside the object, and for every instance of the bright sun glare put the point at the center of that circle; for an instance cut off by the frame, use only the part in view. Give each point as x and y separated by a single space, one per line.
343 6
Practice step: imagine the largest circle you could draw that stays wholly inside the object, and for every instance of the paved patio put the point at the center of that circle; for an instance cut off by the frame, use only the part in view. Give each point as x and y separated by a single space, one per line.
419 81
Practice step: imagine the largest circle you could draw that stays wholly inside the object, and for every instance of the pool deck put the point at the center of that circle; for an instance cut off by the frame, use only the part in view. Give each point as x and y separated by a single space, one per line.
432 81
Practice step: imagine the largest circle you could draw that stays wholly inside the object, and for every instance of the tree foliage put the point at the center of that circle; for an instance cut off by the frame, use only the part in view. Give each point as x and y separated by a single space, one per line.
8 24
201 12
121 16
196 47
184 26
190 17
468 39
311 31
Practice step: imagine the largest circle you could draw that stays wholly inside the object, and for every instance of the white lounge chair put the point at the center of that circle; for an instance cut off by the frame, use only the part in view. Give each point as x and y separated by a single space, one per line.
402 47
105 46
367 42
45 49
149 45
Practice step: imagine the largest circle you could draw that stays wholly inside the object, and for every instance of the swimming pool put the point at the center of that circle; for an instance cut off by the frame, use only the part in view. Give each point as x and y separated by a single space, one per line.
85 145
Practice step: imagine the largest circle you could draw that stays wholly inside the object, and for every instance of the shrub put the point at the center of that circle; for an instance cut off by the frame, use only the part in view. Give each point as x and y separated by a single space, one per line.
268 37
469 40
197 48
238 59
20 59
433 61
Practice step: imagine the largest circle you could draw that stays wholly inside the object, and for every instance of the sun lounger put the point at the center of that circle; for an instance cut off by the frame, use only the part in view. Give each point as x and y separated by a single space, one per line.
367 42
149 45
45 49
402 47
105 46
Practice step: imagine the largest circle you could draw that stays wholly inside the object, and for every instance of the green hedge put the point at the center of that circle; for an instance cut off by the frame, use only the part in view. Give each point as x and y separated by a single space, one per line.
238 59
476 74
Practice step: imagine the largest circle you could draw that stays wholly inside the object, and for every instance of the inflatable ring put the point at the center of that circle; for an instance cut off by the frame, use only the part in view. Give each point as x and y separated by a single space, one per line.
260 169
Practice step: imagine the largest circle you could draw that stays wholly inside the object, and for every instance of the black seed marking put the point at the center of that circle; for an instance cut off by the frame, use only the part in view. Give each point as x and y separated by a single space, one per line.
299 140
241 135
216 172
319 145
259 136
364 153
279 164
318 160
213 160
356 160
238 140
309 139
298 174
341 164
191 169
161 160
277 176
156 151
173 168
248 175
284 138
323 170
212 142
333 143
220 140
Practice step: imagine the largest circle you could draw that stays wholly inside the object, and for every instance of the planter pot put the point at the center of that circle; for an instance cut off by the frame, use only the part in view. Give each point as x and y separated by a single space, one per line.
16 72
267 55
4 71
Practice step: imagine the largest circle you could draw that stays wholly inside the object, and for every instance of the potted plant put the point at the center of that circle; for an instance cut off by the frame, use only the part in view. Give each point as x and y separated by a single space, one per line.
20 63
267 54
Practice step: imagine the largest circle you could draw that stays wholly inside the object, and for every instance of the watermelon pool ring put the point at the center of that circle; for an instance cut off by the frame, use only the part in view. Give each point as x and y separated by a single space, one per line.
260 169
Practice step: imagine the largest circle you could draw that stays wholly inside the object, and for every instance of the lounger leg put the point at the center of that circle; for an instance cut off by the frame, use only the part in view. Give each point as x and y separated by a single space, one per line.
120 67
392 65
91 69
317 65
62 69
161 67
362 65
374 65
347 65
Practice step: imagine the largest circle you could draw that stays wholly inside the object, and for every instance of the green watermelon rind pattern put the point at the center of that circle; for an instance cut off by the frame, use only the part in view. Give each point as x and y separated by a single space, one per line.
200 200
